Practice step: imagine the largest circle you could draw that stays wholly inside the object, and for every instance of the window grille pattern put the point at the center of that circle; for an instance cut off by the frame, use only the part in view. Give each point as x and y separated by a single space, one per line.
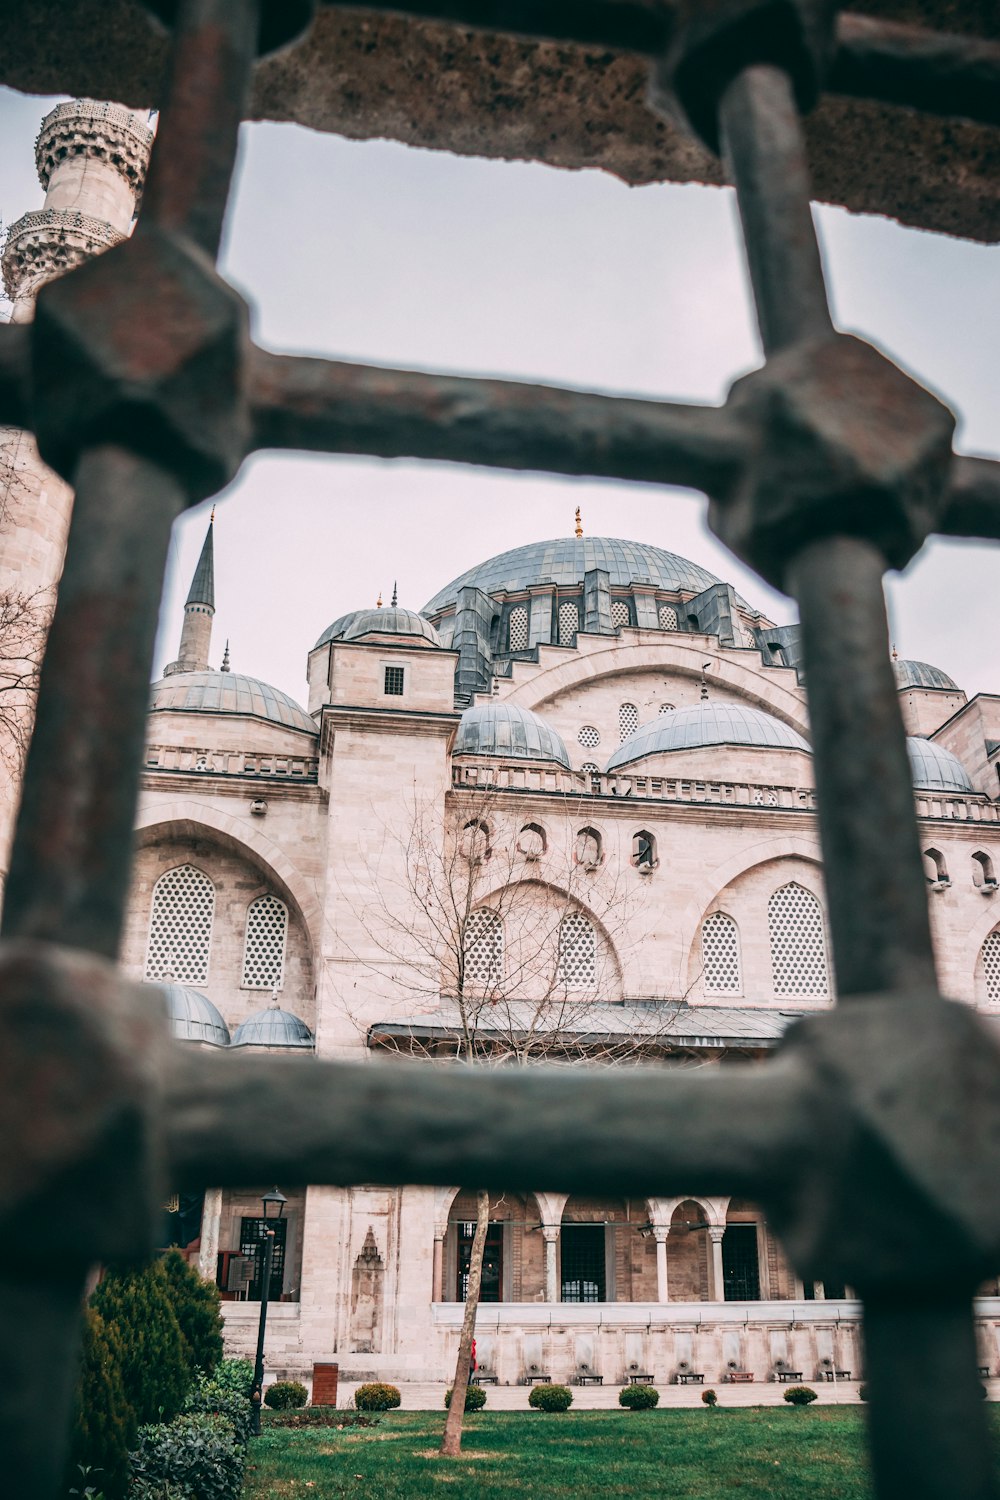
720 954
667 708
590 766
264 952
798 943
395 678
620 614
583 1262
589 737
667 617
569 622
577 968
180 926
991 966
517 628
628 721
484 950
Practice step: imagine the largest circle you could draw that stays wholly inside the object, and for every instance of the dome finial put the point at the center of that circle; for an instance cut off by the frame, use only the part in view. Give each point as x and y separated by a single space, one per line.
704 681
579 523
225 659
378 601
395 599
895 653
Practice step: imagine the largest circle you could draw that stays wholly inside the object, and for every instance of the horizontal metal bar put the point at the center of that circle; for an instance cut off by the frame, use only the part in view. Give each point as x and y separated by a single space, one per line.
14 349
643 26
937 72
332 407
350 1123
972 507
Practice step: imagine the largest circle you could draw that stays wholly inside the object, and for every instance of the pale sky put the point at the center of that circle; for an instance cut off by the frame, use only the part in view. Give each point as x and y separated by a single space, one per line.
379 252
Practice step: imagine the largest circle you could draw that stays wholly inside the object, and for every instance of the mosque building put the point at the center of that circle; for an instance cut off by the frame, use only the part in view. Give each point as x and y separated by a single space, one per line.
563 812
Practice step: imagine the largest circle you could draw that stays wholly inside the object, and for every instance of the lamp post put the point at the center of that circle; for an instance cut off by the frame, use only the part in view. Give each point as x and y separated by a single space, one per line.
274 1206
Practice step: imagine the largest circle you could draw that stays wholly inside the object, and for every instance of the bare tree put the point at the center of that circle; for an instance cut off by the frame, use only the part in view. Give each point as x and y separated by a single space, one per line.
24 620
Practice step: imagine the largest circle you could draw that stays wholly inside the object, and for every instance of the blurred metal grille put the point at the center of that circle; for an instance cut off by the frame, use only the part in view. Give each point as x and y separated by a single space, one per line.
873 1139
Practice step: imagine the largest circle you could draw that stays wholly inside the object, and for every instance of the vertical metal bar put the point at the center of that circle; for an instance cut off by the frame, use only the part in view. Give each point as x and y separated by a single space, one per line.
257 1393
765 159
40 1319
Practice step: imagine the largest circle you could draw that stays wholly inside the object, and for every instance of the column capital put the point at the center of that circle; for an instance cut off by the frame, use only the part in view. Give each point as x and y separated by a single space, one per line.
715 1233
660 1232
550 1233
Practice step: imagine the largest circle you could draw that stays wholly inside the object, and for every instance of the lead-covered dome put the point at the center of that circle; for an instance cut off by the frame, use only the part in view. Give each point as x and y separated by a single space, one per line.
193 1017
229 693
566 559
342 623
507 731
921 674
392 621
707 724
935 769
273 1027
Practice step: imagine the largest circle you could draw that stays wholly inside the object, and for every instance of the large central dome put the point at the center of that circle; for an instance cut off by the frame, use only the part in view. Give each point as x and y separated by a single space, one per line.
566 559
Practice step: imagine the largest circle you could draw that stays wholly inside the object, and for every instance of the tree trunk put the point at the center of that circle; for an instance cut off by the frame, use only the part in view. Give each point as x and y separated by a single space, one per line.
451 1443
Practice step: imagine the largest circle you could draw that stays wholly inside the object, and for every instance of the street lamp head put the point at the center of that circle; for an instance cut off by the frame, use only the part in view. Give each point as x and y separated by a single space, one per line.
274 1204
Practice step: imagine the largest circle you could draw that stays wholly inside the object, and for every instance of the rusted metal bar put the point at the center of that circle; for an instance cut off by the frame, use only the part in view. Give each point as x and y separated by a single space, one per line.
972 504
643 26
937 72
71 860
14 342
765 159
333 407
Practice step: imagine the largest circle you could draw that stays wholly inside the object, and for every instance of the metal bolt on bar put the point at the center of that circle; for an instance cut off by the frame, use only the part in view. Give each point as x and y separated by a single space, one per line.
873 1139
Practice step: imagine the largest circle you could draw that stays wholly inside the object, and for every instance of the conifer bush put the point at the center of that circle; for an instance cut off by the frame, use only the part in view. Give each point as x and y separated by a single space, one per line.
639 1397
475 1398
104 1424
551 1397
197 1306
154 1359
800 1395
377 1396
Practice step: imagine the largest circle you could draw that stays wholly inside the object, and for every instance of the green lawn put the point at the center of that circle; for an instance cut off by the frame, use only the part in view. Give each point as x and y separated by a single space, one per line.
815 1454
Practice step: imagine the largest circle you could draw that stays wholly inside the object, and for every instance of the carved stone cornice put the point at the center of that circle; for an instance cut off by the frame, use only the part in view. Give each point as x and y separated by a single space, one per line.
47 242
107 132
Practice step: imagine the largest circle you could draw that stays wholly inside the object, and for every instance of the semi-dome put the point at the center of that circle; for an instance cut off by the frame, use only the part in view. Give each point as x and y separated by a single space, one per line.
922 675
935 769
392 621
193 1017
707 724
273 1027
342 623
510 732
229 693
566 559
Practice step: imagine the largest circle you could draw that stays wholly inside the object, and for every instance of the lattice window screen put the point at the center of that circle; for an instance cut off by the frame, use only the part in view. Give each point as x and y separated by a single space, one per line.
720 952
589 737
484 949
666 708
590 766
620 613
628 721
180 926
569 621
991 966
798 942
264 952
517 629
667 616
577 952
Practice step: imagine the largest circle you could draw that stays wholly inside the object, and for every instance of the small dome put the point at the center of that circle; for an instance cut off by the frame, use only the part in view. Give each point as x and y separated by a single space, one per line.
229 693
193 1017
337 630
392 621
935 769
273 1027
921 674
510 732
707 724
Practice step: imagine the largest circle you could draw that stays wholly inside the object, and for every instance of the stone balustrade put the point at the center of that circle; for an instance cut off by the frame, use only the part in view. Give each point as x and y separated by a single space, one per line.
186 760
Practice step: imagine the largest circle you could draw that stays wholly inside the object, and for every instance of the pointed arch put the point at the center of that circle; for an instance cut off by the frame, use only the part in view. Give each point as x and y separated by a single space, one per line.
264 943
180 926
577 965
483 949
797 936
720 955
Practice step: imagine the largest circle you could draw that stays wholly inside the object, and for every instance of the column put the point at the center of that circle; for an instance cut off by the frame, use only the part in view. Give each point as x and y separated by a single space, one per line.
660 1232
211 1220
550 1234
437 1291
715 1233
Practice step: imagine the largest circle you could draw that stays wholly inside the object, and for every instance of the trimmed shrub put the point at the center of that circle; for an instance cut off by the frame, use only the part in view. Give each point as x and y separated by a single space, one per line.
235 1376
639 1397
104 1425
862 1393
285 1393
198 1308
212 1398
710 1398
551 1397
800 1395
475 1398
376 1397
319 1416
194 1457
154 1359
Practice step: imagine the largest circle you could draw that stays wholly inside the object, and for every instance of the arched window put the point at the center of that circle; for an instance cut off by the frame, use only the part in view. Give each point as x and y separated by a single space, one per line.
667 616
720 955
476 841
620 613
990 955
517 628
588 850
531 841
935 868
667 708
589 737
590 767
798 942
569 621
983 877
644 850
180 926
577 968
483 948
264 949
628 721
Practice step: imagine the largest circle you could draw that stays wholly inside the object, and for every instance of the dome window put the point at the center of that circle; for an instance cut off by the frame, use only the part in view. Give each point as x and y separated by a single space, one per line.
621 614
936 870
628 721
517 628
476 841
180 926
644 852
569 622
589 737
531 841
667 708
589 849
667 616
983 876
720 955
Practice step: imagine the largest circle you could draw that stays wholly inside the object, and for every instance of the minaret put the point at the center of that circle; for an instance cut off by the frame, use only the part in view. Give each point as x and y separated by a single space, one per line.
91 160
196 632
